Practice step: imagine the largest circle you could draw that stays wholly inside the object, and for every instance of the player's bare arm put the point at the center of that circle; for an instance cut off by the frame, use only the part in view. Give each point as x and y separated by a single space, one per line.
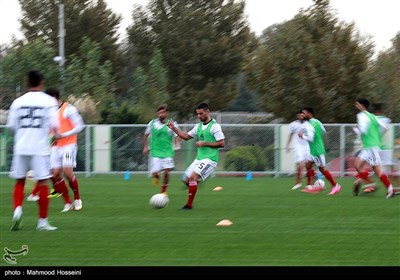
179 132
218 144
145 144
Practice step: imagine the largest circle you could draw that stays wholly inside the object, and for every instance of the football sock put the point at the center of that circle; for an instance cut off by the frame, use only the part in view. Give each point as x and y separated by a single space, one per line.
75 188
385 180
310 176
192 193
43 201
18 195
61 187
35 189
328 176
365 176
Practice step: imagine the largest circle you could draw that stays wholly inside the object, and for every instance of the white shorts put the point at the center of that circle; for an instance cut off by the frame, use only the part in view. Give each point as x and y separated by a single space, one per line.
319 161
204 168
386 157
158 164
64 156
300 155
371 156
22 164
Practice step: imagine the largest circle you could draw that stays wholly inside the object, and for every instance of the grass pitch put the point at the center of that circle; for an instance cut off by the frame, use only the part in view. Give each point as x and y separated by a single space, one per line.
272 226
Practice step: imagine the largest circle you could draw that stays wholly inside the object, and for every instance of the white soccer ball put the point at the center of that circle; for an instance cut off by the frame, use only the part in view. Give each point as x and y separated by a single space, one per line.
319 183
159 200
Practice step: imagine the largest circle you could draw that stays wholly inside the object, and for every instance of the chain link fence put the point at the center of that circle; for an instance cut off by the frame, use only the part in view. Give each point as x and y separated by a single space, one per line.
248 147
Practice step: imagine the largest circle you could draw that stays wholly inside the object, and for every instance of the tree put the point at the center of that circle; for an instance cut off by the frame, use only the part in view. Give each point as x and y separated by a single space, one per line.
246 100
18 62
383 80
141 38
119 114
83 18
312 60
86 75
150 87
202 43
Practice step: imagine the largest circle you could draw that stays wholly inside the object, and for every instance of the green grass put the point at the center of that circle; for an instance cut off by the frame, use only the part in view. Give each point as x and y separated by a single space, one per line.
272 226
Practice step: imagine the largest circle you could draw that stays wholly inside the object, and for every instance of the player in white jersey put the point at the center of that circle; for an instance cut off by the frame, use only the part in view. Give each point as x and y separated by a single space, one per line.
31 117
371 129
387 144
301 146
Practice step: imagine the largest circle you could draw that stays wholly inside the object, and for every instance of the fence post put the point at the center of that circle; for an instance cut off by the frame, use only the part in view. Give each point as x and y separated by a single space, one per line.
277 150
88 145
342 150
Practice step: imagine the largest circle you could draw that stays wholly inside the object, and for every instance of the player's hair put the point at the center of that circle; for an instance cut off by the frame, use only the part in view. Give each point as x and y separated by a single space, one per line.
377 107
52 91
299 112
309 109
203 106
34 78
364 102
162 107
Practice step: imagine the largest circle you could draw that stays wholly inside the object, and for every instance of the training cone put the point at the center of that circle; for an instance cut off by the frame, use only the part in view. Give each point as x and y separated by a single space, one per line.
127 175
224 223
249 176
217 188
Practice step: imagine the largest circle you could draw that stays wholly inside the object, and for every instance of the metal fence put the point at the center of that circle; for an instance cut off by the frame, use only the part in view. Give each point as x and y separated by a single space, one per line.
118 148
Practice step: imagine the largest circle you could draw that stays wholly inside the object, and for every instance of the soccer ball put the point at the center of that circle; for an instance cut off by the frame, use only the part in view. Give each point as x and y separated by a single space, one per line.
159 200
319 183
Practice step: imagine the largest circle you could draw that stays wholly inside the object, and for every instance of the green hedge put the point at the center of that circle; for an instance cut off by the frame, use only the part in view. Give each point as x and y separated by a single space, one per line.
244 158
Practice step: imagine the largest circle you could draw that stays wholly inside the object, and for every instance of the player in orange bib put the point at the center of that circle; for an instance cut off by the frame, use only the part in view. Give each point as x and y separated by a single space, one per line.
63 152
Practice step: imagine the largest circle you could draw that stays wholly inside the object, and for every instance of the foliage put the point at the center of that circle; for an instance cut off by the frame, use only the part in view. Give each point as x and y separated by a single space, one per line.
141 38
246 100
383 80
244 158
85 74
119 114
311 60
83 18
18 62
269 153
150 87
202 45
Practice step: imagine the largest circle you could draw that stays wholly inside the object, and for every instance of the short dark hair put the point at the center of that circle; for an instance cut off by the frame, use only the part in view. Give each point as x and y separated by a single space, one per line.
377 107
364 102
299 112
203 106
52 91
162 107
34 78
309 109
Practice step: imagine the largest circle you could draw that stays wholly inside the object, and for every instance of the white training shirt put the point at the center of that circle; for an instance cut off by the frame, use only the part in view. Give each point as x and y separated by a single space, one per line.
31 117
386 121
215 130
387 137
72 113
294 128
